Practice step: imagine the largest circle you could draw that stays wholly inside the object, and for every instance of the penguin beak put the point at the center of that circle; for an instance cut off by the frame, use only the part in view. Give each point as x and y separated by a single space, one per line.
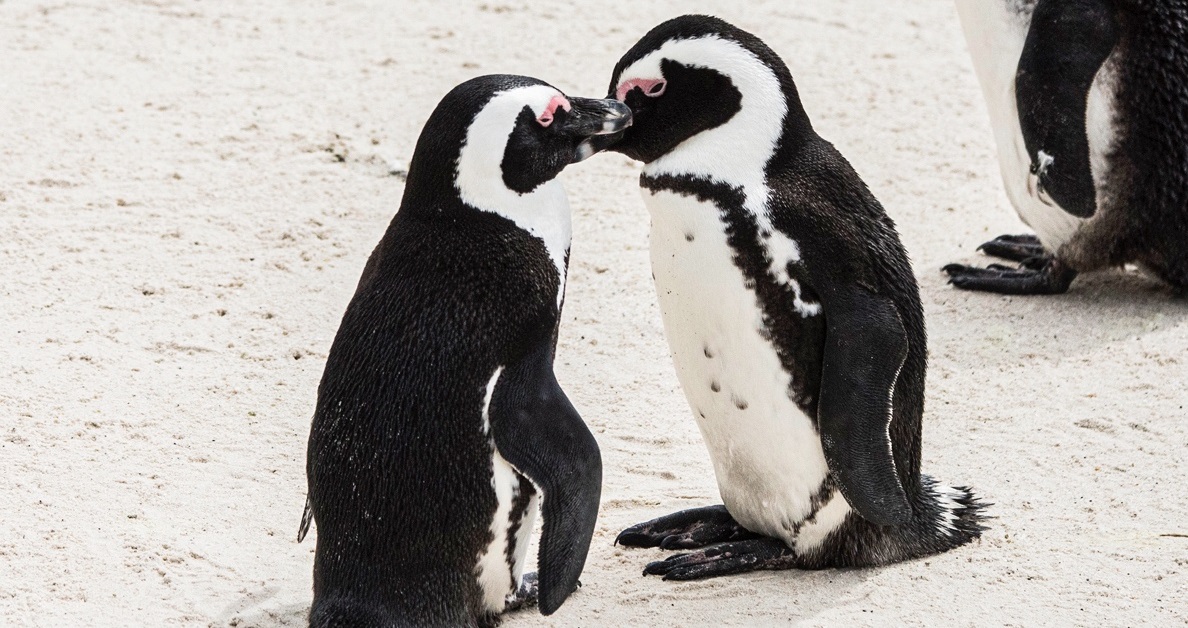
599 121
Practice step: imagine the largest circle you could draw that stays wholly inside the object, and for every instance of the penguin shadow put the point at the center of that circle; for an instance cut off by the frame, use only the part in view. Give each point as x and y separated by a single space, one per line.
806 595
1123 301
1100 307
830 589
261 609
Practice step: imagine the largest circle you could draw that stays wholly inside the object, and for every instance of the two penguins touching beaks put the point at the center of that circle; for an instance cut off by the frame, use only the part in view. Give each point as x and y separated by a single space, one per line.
789 304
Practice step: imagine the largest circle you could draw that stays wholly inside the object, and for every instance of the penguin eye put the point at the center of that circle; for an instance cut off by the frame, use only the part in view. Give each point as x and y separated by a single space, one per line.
648 87
558 102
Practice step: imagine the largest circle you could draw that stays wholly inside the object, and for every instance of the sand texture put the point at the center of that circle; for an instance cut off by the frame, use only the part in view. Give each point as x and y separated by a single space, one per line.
189 191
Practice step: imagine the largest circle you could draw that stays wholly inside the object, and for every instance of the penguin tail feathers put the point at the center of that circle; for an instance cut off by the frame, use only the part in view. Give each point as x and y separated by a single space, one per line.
943 517
947 516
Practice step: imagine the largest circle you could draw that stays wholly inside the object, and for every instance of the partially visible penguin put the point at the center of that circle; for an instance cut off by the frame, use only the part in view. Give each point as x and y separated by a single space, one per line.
439 424
1089 104
792 315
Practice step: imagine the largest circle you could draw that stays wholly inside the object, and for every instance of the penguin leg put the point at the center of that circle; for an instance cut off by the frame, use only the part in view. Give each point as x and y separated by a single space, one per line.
527 596
687 529
1051 277
1016 248
725 559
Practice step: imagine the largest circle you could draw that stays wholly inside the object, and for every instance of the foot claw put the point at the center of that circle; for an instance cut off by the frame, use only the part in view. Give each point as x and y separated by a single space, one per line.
632 538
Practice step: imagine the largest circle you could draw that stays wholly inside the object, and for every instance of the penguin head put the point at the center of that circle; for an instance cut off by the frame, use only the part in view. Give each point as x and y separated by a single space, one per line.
696 74
506 136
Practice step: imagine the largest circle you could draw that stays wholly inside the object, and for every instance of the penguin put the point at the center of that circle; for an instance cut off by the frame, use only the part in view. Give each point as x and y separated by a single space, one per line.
439 424
1089 104
792 315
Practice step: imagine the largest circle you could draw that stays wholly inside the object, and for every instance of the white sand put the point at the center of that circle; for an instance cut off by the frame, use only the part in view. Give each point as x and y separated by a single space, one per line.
189 190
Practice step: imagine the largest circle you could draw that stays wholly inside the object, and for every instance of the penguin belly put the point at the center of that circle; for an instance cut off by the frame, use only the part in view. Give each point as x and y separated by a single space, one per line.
766 452
500 564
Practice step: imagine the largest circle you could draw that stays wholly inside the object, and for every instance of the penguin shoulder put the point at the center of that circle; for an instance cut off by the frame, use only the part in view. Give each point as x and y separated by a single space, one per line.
820 201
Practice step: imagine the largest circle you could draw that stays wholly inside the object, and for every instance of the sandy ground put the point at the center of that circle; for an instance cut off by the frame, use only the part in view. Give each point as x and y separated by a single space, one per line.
189 190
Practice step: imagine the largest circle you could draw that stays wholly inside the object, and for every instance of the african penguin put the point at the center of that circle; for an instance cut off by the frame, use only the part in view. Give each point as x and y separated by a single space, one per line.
439 423
792 315
1089 104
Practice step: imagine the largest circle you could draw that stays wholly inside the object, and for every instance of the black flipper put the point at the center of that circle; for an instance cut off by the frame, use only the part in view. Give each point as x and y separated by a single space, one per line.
687 529
1066 44
538 431
865 347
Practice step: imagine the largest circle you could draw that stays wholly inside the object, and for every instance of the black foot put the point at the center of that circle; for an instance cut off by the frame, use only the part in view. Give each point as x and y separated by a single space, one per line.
1016 248
687 529
1045 275
724 559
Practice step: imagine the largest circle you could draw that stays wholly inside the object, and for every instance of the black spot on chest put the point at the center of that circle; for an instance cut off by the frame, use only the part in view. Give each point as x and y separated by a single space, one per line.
798 340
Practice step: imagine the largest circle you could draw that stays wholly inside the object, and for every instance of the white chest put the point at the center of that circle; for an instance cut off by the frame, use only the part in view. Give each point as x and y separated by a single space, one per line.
766 453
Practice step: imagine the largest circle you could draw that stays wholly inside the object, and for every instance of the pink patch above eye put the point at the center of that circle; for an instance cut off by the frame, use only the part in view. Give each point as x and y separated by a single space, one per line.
650 87
546 117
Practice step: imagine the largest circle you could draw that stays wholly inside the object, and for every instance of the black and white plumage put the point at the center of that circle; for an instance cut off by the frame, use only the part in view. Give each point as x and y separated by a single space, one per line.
439 424
792 314
1089 104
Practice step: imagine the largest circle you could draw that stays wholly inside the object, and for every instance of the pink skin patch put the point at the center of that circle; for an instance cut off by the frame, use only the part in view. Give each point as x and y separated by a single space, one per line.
650 87
546 117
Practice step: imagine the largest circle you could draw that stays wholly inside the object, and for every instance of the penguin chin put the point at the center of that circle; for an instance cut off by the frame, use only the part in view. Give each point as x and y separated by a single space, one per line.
639 151
596 144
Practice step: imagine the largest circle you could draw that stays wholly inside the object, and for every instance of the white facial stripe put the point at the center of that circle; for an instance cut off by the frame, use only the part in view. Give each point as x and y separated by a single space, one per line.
736 152
543 212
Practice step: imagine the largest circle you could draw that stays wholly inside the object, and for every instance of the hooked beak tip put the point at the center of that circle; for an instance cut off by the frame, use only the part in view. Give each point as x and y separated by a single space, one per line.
616 121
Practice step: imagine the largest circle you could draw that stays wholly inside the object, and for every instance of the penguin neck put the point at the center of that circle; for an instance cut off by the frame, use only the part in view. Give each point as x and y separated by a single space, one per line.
543 212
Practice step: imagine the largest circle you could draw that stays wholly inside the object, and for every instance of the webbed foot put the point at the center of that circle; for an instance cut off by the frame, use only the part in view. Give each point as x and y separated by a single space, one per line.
725 559
686 529
1035 275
